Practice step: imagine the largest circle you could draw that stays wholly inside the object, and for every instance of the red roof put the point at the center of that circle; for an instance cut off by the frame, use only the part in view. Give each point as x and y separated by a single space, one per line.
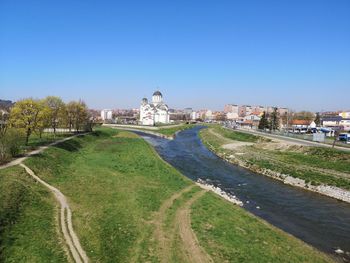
301 122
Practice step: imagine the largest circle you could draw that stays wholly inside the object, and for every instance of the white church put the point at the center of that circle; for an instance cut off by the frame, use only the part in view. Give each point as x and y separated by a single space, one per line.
155 112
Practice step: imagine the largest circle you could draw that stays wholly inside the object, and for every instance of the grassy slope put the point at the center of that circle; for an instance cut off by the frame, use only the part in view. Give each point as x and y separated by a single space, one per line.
173 130
46 138
115 183
236 135
293 163
233 235
28 230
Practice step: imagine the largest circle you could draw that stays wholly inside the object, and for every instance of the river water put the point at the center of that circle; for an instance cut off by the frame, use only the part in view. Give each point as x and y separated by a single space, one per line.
320 221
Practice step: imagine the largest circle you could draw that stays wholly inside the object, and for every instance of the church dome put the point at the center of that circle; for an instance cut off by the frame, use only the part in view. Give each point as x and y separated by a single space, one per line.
157 93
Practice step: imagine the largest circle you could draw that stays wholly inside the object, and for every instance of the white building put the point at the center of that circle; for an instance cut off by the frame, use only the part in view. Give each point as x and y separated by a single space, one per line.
209 115
345 114
232 115
194 115
106 114
155 112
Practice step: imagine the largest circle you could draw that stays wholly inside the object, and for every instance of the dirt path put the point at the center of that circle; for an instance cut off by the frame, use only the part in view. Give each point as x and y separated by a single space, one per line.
181 226
193 251
164 242
37 151
65 221
70 237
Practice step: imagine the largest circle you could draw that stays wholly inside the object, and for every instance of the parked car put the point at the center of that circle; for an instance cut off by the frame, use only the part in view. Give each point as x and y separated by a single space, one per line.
345 137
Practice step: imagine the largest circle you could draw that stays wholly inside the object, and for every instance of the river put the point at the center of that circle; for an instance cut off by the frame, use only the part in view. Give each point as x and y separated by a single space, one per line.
320 221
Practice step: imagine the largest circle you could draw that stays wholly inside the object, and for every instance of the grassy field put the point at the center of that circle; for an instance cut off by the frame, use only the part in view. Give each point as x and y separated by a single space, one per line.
126 201
35 141
236 135
28 231
316 165
171 131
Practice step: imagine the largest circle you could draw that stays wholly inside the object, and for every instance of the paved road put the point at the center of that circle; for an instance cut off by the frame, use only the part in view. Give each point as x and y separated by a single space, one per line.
294 140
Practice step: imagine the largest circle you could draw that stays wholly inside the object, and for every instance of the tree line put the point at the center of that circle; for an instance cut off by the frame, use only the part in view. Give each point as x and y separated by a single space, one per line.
270 121
29 116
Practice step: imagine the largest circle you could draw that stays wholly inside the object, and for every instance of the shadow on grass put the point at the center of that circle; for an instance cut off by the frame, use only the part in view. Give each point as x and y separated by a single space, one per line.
70 145
96 133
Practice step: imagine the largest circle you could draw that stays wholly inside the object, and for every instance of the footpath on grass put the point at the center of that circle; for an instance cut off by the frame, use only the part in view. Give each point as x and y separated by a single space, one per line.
131 206
40 149
66 225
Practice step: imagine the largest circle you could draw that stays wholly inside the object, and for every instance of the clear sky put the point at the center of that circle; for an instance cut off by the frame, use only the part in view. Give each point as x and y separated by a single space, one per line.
201 54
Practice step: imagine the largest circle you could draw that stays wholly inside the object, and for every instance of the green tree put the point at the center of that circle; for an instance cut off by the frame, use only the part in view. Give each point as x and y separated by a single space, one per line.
45 118
274 120
76 115
304 115
55 111
27 114
70 113
263 123
317 119
4 116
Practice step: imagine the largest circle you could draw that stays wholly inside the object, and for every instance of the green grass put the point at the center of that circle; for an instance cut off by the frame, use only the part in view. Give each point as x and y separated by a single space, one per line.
313 177
28 231
236 135
171 131
230 234
35 141
306 164
321 157
115 184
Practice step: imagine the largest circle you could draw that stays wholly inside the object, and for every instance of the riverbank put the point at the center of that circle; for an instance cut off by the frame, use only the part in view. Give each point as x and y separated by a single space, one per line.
167 132
125 201
320 170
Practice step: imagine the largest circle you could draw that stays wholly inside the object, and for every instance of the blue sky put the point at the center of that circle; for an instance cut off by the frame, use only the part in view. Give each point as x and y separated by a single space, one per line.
201 54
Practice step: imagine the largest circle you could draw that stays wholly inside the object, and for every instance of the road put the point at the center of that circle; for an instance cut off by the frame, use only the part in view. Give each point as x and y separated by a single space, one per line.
294 140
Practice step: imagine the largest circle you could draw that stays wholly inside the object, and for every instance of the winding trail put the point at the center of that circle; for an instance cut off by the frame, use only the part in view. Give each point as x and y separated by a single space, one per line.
192 251
163 241
71 238
65 221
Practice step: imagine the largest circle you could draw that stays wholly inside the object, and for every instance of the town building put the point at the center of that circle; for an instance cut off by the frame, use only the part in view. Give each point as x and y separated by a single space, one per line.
106 114
155 112
209 115
232 115
195 115
282 111
258 110
231 108
336 122
244 110
345 114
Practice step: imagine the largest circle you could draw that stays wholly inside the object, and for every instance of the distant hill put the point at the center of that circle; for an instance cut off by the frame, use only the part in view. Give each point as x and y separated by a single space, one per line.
5 104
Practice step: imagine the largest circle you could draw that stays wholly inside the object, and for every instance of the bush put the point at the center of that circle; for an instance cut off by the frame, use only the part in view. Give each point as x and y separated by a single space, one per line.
10 144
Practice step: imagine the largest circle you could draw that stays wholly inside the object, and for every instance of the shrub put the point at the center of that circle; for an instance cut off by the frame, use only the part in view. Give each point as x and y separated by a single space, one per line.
10 144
